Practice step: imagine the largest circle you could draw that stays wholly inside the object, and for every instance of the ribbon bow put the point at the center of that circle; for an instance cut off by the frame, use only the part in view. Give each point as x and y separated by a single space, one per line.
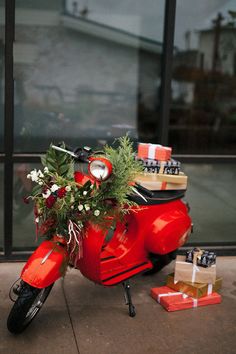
75 241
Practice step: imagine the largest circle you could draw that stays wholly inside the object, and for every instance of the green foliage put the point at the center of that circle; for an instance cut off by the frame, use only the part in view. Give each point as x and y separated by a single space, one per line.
58 162
125 168
90 202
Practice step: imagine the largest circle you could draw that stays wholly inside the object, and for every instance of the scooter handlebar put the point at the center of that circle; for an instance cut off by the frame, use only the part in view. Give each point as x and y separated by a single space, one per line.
80 154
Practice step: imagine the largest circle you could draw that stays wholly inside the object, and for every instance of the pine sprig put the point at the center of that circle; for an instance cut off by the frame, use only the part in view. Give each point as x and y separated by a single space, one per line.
125 168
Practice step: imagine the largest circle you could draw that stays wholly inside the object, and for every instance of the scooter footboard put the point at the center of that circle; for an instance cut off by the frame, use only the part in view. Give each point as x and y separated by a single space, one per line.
90 263
47 264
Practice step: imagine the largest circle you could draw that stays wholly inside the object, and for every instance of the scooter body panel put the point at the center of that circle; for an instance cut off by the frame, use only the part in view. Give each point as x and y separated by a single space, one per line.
89 264
147 229
47 264
169 230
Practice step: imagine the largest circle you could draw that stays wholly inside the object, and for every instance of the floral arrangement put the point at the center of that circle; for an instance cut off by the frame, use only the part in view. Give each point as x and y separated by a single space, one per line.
63 207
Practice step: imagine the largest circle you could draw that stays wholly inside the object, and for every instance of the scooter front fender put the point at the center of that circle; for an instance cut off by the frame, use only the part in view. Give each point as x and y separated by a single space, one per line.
47 264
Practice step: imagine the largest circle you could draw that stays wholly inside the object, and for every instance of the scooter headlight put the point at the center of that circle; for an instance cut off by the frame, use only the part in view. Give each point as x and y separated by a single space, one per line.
100 168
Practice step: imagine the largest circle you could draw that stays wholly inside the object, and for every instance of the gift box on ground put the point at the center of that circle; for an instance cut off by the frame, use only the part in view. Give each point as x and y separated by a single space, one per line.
159 293
195 290
190 272
174 301
154 151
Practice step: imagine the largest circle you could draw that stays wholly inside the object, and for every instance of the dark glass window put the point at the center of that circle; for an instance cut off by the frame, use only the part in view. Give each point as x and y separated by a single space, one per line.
86 73
24 232
212 201
2 41
203 110
1 206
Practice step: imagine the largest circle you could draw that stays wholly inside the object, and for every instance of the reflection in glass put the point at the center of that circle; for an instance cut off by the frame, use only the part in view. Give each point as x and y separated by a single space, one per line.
2 41
24 235
212 203
86 72
203 111
1 206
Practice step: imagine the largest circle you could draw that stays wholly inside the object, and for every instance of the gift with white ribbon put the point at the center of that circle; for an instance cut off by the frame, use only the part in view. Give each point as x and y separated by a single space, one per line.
195 290
173 301
190 272
154 151
170 294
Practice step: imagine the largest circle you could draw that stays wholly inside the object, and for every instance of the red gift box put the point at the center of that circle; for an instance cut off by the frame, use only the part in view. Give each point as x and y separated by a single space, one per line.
154 151
173 301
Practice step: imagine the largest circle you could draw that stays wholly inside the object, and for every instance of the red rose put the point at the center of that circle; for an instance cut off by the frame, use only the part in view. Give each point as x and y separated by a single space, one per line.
61 192
50 201
46 226
26 200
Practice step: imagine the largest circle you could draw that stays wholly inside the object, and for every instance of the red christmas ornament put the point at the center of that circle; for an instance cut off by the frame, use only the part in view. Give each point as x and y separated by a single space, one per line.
50 201
61 192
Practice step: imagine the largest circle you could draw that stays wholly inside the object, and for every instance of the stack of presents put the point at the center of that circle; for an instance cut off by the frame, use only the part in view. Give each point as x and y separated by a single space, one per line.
161 172
194 282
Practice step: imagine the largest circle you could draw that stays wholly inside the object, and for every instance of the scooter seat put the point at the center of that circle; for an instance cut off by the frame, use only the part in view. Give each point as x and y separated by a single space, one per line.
157 197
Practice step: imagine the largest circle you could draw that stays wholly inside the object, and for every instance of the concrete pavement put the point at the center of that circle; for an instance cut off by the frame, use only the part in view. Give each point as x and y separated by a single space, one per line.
81 317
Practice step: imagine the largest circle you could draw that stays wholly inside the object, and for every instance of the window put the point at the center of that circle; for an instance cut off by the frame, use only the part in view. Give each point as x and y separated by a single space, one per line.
203 110
2 41
86 72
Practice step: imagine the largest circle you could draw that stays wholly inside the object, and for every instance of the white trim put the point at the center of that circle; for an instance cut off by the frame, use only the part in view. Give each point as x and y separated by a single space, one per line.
109 33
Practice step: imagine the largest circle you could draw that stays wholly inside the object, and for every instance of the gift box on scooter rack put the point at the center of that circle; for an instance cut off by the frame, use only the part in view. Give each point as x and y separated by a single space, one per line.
170 167
153 181
154 151
195 290
174 301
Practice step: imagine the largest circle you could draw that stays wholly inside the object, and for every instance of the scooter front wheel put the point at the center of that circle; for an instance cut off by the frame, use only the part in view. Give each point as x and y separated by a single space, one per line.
26 307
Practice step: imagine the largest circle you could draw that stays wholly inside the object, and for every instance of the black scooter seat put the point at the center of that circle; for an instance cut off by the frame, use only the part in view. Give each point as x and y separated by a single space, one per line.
157 197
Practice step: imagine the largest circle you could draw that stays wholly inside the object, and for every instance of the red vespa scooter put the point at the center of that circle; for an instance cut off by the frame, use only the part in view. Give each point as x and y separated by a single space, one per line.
154 229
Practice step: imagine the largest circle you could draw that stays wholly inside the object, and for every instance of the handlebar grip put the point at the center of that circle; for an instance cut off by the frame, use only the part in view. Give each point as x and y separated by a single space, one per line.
80 154
58 148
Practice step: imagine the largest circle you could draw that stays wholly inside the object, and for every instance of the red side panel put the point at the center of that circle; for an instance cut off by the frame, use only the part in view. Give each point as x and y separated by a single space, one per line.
47 264
89 264
169 230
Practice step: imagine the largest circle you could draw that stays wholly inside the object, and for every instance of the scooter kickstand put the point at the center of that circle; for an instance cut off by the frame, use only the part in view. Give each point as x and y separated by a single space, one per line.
128 300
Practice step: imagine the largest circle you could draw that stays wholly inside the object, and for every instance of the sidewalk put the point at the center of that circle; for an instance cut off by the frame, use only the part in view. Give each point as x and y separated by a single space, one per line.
90 319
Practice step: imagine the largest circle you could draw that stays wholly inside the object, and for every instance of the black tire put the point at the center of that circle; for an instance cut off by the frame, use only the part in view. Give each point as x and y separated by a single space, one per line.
26 307
160 261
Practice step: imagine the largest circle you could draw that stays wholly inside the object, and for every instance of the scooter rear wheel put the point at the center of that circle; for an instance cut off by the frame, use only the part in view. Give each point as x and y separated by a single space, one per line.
26 307
160 261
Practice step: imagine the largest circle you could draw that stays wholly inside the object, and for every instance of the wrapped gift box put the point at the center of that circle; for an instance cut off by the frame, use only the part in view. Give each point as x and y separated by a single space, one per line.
163 186
163 291
154 151
195 290
161 181
190 272
171 167
173 301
